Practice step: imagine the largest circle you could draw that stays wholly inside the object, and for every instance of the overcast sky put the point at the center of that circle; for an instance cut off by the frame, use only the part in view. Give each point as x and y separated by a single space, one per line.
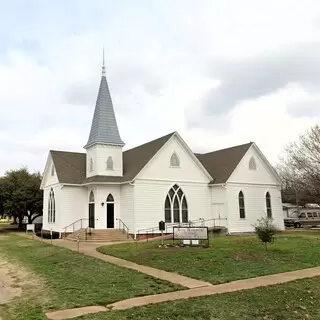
221 73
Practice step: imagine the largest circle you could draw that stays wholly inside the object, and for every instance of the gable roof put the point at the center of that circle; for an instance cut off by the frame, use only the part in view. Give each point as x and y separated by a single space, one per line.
71 166
221 163
104 128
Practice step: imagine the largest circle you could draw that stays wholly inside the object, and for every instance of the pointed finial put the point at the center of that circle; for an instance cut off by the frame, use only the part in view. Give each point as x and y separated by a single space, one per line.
103 65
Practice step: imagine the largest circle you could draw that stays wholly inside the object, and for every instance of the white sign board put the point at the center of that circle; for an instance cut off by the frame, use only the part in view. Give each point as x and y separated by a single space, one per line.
30 227
190 233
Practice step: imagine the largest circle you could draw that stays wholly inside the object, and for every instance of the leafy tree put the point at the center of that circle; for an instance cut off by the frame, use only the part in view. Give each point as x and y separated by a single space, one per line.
20 194
265 230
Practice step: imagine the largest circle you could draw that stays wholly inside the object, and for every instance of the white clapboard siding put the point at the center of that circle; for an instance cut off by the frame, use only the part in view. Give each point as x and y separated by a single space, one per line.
149 199
127 206
255 206
159 167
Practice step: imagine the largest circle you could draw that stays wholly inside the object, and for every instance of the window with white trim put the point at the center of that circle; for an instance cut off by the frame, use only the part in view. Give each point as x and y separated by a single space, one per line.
51 208
175 206
91 197
91 167
109 163
174 160
242 210
252 164
268 205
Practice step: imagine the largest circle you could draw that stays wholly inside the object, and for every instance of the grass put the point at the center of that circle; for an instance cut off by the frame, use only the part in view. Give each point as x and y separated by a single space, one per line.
71 279
295 300
228 258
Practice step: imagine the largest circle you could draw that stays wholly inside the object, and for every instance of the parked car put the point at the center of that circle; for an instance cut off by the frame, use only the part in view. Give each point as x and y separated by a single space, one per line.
303 219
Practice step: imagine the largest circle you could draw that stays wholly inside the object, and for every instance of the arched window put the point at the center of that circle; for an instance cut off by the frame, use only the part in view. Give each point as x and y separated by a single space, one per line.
52 170
91 197
252 164
174 160
91 165
175 206
110 198
268 205
109 163
51 207
242 210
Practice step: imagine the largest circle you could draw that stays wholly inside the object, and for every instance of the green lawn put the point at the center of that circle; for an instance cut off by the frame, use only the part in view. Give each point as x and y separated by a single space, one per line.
296 300
229 257
69 279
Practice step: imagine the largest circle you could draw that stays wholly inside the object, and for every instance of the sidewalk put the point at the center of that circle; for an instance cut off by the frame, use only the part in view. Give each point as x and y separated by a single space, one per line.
90 250
196 288
190 293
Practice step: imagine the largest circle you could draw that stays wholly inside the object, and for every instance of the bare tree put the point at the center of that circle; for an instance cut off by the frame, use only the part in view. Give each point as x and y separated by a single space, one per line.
300 170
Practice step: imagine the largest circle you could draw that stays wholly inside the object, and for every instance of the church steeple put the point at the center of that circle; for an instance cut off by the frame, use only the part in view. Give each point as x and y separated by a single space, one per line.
104 128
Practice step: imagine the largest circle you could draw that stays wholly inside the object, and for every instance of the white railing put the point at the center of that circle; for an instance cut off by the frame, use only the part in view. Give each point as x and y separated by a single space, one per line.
210 223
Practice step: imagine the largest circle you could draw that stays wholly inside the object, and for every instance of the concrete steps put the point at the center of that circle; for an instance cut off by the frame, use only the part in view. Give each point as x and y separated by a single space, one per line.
99 235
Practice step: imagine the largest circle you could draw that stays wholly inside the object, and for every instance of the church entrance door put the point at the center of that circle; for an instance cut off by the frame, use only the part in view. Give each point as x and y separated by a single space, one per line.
110 211
91 215
110 215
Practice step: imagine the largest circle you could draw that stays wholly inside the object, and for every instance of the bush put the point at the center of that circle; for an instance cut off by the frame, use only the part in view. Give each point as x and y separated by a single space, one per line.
265 230
46 235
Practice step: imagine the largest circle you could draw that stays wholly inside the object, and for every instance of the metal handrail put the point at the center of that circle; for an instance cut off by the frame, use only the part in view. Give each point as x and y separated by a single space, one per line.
73 224
170 225
125 228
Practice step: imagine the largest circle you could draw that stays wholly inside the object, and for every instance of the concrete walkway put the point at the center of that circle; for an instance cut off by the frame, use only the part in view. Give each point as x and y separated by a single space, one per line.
190 293
196 288
90 250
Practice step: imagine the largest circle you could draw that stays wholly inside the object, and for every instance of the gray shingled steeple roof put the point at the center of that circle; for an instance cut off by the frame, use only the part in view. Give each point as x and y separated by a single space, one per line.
104 128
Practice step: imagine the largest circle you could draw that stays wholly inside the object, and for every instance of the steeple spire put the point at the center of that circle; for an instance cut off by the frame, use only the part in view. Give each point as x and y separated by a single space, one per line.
103 65
104 128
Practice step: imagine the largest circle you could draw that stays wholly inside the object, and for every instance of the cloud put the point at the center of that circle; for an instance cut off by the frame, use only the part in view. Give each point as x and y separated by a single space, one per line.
307 108
249 79
164 70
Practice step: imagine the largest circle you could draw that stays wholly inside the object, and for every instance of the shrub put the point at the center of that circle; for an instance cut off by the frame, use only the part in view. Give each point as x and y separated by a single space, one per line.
265 230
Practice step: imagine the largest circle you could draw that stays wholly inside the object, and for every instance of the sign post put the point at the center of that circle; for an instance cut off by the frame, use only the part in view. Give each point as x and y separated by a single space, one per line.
51 235
30 227
162 227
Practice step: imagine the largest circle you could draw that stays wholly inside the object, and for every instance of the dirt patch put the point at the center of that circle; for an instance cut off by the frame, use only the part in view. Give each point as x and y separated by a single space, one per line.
12 280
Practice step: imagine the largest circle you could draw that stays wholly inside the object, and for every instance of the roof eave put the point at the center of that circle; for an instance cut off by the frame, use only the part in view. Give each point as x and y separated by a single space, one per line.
91 144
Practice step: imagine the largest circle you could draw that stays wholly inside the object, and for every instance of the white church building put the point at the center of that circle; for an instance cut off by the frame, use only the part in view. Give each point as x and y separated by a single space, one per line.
107 187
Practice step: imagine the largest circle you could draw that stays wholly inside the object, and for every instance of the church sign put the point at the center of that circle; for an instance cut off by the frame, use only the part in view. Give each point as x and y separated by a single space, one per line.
190 233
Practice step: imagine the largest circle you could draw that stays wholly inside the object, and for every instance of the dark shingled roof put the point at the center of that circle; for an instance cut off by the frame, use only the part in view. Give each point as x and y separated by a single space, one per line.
71 166
221 163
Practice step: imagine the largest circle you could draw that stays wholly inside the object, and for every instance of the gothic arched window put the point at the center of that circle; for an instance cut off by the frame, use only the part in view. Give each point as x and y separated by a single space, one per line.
252 164
51 207
174 160
268 205
110 198
242 210
109 163
91 166
91 197
175 206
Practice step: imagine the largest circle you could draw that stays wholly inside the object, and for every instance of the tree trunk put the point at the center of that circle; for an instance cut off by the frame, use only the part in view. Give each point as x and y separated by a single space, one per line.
20 219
